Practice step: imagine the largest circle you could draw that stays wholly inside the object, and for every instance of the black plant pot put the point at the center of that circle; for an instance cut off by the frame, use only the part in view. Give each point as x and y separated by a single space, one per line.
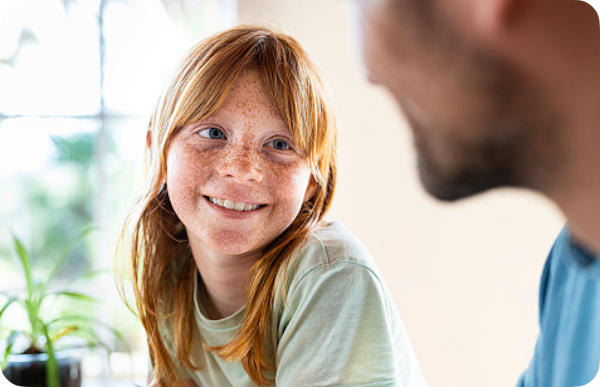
30 370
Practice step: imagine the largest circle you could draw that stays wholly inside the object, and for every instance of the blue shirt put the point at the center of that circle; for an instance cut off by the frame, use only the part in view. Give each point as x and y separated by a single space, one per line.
567 352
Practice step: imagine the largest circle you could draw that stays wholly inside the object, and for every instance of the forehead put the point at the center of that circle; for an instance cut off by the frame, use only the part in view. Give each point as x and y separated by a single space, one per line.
249 100
248 88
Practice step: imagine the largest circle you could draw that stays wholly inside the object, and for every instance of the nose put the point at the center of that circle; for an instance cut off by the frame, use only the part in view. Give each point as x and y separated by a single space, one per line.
241 164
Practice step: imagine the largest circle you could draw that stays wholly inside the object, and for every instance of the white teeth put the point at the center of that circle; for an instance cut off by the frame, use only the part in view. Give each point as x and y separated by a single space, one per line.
235 206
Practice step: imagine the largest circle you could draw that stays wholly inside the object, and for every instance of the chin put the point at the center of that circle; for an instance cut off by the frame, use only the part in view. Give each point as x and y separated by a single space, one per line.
233 249
454 187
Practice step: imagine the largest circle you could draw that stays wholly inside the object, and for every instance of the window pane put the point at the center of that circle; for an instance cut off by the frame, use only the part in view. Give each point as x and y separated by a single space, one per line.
141 46
48 183
60 175
49 58
145 39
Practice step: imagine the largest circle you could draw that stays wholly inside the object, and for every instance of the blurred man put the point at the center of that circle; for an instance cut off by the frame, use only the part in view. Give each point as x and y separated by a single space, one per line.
507 93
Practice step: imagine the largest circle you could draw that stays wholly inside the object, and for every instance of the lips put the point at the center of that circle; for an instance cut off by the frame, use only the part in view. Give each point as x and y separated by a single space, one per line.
234 206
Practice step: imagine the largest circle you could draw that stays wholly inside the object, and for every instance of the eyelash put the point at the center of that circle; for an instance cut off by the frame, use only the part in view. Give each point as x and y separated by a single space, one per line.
207 134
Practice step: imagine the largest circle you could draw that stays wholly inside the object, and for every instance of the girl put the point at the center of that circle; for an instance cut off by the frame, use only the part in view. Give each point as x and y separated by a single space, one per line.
237 279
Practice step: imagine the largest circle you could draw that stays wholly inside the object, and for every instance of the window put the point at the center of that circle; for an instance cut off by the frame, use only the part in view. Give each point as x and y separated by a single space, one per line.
78 81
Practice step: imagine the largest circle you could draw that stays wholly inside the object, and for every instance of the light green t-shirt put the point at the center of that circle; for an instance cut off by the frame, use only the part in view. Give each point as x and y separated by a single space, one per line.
339 326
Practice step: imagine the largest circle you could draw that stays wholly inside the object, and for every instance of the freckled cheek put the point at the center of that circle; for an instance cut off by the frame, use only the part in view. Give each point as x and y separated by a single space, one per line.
290 188
185 175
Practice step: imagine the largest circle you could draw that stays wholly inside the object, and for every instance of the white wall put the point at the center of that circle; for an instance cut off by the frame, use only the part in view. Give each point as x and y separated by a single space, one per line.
464 276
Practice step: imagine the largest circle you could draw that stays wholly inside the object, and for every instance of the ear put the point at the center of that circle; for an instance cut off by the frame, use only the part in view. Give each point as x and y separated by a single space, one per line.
311 189
149 138
493 16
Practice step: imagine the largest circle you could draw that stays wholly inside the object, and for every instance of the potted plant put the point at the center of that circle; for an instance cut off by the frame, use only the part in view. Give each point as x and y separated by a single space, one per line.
45 360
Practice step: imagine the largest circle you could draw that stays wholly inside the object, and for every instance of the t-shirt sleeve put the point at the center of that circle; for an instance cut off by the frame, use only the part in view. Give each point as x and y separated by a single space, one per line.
336 330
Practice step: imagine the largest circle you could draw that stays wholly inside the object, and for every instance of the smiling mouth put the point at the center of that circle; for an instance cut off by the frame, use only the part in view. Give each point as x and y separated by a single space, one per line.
234 206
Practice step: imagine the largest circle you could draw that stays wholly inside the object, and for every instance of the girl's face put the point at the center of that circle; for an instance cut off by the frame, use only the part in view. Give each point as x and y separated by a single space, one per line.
235 179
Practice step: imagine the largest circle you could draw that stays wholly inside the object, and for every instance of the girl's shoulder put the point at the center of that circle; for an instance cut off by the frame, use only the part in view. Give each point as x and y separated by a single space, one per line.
332 264
332 244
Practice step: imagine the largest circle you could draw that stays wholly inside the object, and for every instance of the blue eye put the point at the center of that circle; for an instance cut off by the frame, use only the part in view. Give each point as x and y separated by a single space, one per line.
279 144
212 133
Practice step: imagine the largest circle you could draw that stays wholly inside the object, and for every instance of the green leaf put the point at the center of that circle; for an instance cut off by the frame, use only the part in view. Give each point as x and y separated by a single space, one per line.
94 339
9 344
87 276
94 321
74 295
91 336
35 298
52 376
65 254
25 260
5 306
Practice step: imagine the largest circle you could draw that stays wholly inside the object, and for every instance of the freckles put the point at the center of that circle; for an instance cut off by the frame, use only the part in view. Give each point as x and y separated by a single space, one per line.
185 173
247 108
193 166
253 104
257 237
283 185
290 184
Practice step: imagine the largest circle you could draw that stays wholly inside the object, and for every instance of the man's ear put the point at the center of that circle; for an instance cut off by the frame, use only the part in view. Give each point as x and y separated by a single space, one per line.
493 16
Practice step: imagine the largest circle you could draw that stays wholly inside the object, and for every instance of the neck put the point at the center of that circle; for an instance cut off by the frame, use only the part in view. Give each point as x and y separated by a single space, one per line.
224 289
581 205
575 184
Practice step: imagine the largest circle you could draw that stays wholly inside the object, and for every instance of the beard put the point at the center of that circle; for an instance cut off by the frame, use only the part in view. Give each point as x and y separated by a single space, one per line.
479 121
506 139
464 169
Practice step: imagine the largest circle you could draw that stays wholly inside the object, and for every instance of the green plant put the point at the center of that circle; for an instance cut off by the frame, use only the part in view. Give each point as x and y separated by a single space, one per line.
36 300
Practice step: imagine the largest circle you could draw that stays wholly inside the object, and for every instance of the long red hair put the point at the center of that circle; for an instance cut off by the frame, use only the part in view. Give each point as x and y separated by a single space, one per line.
152 247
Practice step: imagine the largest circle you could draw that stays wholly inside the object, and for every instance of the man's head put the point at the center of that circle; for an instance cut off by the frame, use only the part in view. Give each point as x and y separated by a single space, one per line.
488 86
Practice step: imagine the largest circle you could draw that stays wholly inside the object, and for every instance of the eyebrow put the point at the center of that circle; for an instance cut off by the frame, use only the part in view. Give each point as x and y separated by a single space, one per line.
216 120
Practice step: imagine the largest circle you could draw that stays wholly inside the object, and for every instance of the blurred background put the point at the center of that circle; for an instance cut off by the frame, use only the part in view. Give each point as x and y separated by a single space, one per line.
78 79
